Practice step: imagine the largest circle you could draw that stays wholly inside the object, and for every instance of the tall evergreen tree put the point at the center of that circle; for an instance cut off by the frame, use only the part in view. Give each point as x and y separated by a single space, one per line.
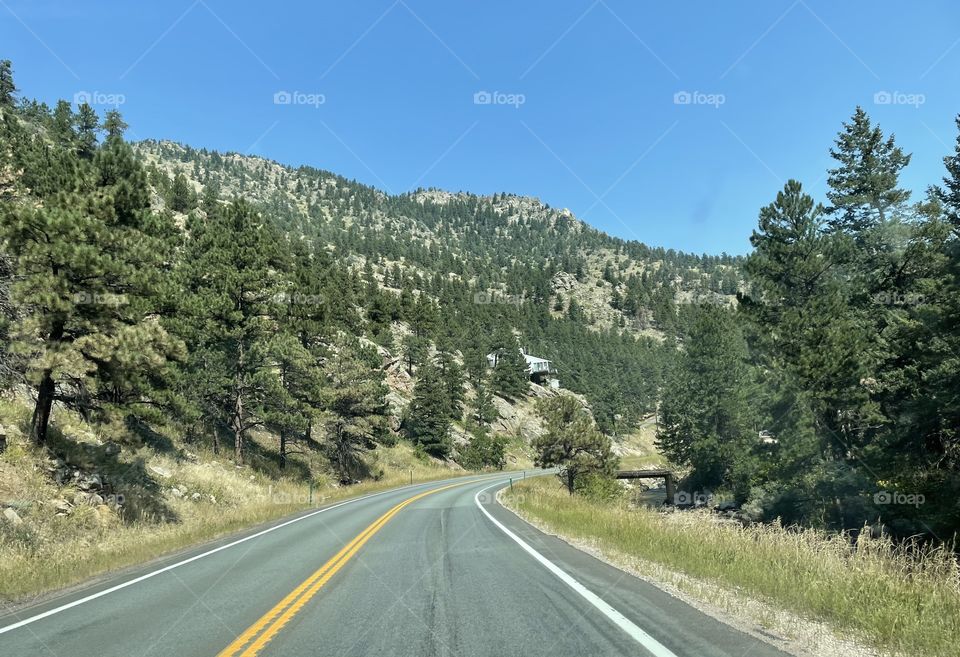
510 377
706 418
182 196
88 263
7 88
356 409
87 127
451 378
428 423
864 187
232 277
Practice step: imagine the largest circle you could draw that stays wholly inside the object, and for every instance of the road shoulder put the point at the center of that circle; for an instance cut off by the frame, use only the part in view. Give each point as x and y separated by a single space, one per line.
777 628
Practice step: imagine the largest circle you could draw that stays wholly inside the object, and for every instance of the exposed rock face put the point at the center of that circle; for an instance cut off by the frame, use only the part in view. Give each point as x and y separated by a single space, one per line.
563 281
521 419
460 437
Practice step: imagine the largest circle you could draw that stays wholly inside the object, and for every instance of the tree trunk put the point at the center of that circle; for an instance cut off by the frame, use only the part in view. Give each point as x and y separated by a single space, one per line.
237 426
283 449
41 412
570 477
238 411
45 391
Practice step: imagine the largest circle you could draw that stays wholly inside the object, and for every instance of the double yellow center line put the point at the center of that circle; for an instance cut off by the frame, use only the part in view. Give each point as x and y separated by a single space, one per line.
255 637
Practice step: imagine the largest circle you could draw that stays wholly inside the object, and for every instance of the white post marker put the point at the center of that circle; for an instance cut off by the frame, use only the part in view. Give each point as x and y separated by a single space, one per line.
652 645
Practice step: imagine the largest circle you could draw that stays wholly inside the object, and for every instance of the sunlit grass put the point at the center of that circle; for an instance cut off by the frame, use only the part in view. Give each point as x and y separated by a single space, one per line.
49 551
902 599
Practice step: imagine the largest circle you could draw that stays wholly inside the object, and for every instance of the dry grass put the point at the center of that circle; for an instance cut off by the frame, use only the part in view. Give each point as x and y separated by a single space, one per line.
195 499
900 599
638 449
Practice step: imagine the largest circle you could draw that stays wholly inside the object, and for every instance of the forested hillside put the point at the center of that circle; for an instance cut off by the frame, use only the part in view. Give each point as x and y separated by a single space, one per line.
605 311
221 296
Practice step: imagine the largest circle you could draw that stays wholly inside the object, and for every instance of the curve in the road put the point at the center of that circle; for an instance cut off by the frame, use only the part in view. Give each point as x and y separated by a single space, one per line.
255 637
423 570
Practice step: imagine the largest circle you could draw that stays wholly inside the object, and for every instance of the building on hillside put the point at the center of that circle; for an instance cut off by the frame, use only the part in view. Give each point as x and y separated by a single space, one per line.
541 371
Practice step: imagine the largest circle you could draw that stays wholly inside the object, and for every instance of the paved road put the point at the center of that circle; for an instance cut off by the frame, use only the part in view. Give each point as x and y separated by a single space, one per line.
433 569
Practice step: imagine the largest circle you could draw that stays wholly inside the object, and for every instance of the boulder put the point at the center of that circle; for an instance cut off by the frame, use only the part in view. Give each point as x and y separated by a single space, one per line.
62 507
12 517
89 499
90 482
159 471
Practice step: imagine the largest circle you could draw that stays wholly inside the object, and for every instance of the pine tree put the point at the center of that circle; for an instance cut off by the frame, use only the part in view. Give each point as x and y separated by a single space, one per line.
356 409
428 424
87 126
88 263
571 441
864 187
294 391
451 378
7 88
801 300
484 412
182 196
484 450
415 351
113 125
950 197
706 417
510 377
231 276
62 127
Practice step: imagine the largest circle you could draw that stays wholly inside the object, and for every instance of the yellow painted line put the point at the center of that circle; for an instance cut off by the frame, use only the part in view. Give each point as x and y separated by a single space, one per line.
255 637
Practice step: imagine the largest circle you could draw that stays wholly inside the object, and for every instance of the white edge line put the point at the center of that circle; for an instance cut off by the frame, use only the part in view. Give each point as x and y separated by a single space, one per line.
136 580
655 647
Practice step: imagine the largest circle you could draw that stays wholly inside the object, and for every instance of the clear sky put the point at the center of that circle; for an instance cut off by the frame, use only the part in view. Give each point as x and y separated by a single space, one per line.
385 91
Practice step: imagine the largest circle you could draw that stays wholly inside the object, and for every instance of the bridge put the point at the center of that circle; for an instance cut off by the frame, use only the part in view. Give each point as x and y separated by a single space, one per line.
666 475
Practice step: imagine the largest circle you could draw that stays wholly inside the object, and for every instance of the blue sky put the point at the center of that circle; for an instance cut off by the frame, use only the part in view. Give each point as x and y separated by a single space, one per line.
585 117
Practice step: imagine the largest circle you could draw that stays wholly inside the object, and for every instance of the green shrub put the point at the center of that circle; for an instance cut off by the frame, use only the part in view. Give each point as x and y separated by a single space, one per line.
598 487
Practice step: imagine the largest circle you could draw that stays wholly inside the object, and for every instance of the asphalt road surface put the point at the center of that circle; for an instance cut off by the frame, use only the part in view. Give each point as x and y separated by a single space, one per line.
433 569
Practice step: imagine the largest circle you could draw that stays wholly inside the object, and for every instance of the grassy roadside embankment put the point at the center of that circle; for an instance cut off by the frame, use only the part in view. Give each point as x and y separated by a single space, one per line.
55 537
884 597
39 556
